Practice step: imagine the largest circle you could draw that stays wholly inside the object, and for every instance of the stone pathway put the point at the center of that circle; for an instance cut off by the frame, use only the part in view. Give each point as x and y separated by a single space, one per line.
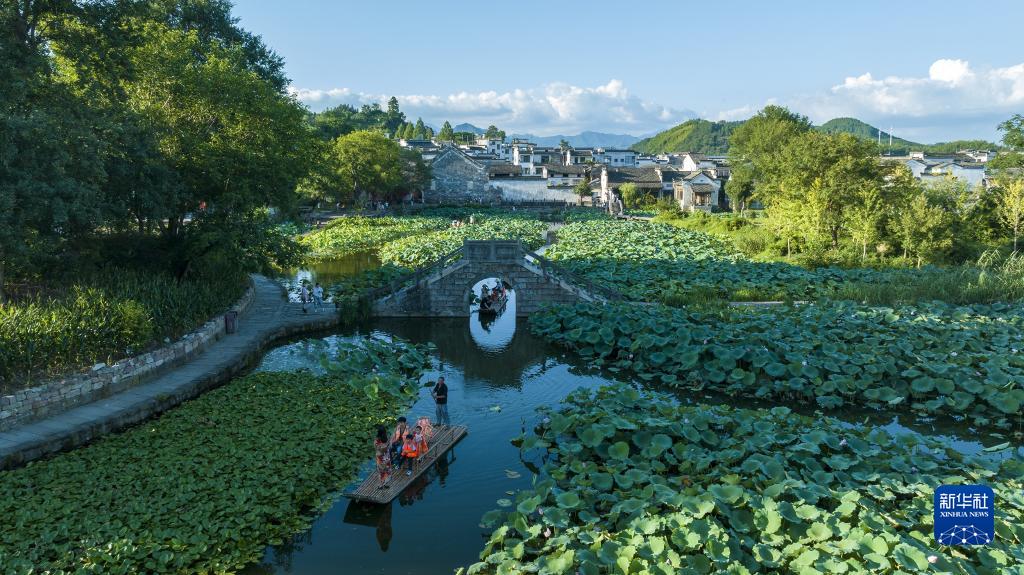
268 318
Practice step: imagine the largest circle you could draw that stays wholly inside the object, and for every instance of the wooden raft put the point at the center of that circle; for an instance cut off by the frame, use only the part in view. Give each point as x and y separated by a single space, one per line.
445 437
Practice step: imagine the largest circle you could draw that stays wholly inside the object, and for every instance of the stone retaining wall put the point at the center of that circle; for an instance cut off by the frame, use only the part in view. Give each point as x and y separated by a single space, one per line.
59 395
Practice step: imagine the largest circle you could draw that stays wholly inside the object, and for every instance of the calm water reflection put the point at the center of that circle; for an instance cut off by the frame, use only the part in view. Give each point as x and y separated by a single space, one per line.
328 272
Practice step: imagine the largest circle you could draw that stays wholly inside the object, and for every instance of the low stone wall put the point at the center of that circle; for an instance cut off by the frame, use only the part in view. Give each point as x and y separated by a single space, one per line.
59 395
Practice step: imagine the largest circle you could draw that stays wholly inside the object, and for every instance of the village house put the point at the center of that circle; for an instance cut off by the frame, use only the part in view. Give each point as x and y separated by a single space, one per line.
930 169
563 176
698 191
615 158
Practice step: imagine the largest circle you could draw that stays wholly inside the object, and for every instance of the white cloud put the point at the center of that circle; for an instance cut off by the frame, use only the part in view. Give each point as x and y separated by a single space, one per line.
553 108
955 100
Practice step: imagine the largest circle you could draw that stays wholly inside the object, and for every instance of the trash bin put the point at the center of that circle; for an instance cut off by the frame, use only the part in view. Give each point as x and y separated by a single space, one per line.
231 321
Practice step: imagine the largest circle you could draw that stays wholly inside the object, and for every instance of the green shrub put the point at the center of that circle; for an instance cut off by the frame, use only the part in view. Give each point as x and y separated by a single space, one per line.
102 318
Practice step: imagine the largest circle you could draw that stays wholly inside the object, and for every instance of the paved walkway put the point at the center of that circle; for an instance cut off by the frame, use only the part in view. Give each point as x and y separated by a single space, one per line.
269 317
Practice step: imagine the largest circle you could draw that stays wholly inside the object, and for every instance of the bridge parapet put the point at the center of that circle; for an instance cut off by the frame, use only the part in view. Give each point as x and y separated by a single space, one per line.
501 251
444 288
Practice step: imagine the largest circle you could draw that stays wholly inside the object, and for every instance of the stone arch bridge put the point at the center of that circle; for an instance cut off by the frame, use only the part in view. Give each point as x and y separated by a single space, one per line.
445 287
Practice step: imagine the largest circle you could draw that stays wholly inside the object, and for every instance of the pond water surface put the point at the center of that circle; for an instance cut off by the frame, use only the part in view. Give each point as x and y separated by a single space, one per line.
498 375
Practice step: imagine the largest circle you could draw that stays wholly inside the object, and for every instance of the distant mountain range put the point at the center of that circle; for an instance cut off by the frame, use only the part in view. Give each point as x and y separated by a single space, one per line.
586 139
707 137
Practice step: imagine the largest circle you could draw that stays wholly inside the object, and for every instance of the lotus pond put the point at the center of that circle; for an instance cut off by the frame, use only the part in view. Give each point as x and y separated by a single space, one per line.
498 379
658 262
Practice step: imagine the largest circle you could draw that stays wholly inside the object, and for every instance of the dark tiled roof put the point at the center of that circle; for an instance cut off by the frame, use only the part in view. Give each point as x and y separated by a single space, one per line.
702 188
635 175
503 168
560 169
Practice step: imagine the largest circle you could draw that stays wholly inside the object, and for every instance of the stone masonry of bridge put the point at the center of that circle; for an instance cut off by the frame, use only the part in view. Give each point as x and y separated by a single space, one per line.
448 292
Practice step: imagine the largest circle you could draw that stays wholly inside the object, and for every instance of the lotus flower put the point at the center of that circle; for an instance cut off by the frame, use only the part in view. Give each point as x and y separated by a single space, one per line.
952 354
547 532
842 442
933 559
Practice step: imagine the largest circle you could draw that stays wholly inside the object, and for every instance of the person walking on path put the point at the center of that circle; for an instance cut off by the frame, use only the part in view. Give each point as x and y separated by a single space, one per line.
440 395
318 296
304 296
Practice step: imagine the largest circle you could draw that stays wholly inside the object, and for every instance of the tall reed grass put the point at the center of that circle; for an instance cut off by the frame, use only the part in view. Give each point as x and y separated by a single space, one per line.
102 318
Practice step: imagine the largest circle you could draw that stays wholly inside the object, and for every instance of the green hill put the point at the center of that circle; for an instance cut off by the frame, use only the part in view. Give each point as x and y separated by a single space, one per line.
865 131
691 136
713 138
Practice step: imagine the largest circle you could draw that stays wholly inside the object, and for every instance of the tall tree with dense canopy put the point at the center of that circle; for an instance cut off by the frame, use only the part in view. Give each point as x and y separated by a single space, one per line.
364 163
827 175
395 117
493 133
759 141
447 134
420 131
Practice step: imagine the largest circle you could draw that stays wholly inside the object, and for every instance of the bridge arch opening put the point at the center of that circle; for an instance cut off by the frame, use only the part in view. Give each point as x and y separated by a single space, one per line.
492 327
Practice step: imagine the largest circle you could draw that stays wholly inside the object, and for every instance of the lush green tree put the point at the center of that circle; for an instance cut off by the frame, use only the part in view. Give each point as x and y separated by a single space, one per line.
447 134
364 163
464 137
415 175
1013 140
493 133
740 186
582 189
394 117
429 133
1011 206
235 142
924 229
563 144
759 141
409 133
420 131
826 174
634 197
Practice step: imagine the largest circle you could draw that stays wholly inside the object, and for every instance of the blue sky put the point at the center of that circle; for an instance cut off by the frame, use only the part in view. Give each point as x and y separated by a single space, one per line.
932 70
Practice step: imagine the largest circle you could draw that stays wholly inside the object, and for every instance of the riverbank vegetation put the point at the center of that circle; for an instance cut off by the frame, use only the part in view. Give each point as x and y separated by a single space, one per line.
207 486
634 483
115 313
142 146
829 199
935 359
652 261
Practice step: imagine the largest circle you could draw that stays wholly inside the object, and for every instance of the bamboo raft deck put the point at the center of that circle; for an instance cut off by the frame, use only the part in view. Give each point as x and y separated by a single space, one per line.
445 437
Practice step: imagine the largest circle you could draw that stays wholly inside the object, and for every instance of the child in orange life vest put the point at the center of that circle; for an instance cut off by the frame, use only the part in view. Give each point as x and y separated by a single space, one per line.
421 440
409 452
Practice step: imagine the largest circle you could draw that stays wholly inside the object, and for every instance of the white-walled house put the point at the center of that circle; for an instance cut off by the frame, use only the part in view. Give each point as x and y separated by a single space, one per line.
936 169
697 191
560 176
615 158
693 162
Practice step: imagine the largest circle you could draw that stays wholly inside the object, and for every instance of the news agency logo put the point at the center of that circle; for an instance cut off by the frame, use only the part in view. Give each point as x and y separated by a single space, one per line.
964 515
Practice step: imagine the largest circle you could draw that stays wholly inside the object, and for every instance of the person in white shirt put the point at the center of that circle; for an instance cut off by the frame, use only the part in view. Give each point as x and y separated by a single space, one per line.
318 295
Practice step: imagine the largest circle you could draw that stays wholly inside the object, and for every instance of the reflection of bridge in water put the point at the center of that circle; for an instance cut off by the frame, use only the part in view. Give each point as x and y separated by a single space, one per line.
445 287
